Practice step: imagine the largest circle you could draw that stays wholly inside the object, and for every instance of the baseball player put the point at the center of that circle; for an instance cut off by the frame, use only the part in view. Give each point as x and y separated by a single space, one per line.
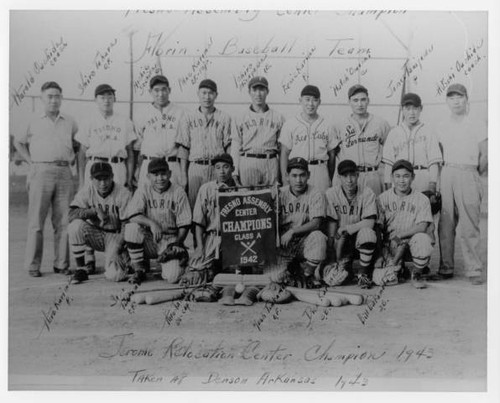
107 136
207 222
360 137
302 209
95 217
157 132
159 216
203 135
465 153
404 215
416 142
309 136
351 212
254 139
48 147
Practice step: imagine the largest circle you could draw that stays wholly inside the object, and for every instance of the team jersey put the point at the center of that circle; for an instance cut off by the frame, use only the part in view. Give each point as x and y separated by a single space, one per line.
169 209
205 212
114 204
157 131
256 132
363 145
460 140
418 145
339 208
311 141
399 213
205 138
106 137
298 210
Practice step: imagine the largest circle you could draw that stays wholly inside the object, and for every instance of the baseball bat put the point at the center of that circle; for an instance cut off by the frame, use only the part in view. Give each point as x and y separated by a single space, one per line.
351 298
309 296
223 279
163 296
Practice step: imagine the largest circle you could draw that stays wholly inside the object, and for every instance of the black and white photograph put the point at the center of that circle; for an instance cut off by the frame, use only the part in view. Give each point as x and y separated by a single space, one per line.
250 200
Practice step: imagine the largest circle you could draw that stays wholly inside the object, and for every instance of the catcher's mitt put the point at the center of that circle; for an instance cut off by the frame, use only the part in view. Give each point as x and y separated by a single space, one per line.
197 277
334 274
205 294
274 293
174 251
387 275
435 200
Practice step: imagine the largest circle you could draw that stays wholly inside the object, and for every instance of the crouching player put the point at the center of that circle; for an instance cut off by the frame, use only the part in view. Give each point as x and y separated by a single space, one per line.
404 215
159 219
351 213
95 221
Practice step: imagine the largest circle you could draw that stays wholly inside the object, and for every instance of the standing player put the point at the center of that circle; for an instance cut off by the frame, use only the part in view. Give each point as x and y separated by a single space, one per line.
360 137
465 153
309 136
204 134
254 139
95 221
302 209
415 142
159 217
157 131
404 216
107 136
351 211
48 147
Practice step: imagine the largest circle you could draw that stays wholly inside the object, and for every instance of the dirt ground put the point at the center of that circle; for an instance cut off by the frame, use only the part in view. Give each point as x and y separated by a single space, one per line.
432 339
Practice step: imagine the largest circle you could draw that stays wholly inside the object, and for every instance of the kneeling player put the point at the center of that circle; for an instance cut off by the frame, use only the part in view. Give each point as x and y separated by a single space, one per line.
404 216
95 221
160 216
351 212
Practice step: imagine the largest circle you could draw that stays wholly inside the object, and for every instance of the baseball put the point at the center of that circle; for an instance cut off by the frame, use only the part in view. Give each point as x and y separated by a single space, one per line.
240 287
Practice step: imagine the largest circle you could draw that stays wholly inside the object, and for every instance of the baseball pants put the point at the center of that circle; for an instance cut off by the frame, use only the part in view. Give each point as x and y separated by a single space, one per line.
258 171
461 193
119 171
198 174
48 185
363 242
173 166
319 178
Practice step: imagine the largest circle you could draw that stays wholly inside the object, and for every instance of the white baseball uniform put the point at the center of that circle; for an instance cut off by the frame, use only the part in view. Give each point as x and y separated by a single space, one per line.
363 145
254 146
418 145
157 132
106 139
204 138
311 141
461 192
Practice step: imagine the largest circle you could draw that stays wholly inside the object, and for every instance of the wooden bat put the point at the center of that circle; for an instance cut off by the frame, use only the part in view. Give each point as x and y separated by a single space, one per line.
351 297
223 279
309 296
163 296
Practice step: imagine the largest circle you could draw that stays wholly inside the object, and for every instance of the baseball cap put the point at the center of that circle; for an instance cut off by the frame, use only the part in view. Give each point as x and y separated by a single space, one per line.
311 90
456 89
101 169
158 165
346 166
355 89
210 84
402 164
224 157
51 84
158 80
297 162
258 80
411 99
102 89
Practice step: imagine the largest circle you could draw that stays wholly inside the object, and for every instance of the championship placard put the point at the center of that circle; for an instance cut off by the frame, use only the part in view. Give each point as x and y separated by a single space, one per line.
248 225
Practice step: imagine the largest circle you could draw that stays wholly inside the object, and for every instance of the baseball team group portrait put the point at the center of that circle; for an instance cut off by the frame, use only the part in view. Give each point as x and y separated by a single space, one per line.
234 200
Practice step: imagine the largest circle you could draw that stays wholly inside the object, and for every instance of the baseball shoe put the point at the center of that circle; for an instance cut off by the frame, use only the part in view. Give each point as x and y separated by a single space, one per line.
90 267
445 272
475 280
61 271
138 277
417 281
364 282
35 273
80 275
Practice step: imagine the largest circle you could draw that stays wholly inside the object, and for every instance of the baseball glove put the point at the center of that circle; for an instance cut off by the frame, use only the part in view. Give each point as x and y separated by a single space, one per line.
174 251
205 294
435 200
387 275
197 277
274 293
334 274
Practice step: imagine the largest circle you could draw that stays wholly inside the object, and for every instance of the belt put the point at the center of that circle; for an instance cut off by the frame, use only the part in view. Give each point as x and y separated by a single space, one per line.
419 167
202 162
114 160
366 169
59 163
262 156
466 167
317 162
111 231
169 159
